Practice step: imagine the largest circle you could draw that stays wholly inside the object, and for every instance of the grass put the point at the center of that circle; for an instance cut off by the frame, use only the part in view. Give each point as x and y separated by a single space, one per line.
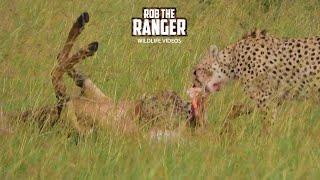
32 33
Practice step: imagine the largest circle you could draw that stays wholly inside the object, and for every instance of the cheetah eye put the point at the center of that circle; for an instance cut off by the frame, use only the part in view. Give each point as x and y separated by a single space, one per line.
195 72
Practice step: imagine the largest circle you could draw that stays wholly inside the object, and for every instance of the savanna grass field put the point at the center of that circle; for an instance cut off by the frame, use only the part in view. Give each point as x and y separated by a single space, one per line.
32 34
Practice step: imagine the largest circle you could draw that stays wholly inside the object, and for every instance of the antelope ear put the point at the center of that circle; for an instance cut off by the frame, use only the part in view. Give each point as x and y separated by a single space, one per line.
213 50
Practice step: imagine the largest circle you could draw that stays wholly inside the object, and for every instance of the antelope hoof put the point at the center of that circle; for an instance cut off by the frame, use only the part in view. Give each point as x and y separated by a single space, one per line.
93 47
83 19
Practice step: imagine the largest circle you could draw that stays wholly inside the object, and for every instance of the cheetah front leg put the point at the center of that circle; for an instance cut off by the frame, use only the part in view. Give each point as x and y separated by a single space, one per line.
262 97
236 111
239 110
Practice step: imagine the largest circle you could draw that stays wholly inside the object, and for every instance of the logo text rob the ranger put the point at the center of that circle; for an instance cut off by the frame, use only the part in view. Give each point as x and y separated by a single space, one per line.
159 22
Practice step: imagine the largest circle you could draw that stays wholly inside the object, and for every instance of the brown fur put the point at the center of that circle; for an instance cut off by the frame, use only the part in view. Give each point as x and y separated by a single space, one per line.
93 108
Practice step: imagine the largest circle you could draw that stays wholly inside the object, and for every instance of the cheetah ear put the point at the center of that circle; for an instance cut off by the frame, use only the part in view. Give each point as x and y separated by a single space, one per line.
213 50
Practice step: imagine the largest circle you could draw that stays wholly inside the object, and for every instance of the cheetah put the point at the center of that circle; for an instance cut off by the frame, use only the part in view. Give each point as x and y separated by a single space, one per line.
270 69
92 108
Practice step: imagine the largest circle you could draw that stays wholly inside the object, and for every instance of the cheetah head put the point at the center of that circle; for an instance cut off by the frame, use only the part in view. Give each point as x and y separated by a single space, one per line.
208 74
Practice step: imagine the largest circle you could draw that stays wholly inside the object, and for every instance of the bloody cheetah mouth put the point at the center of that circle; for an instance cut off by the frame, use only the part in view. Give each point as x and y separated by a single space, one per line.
216 86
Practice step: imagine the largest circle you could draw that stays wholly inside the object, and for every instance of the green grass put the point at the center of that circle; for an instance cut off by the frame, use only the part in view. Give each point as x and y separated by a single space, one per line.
31 34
